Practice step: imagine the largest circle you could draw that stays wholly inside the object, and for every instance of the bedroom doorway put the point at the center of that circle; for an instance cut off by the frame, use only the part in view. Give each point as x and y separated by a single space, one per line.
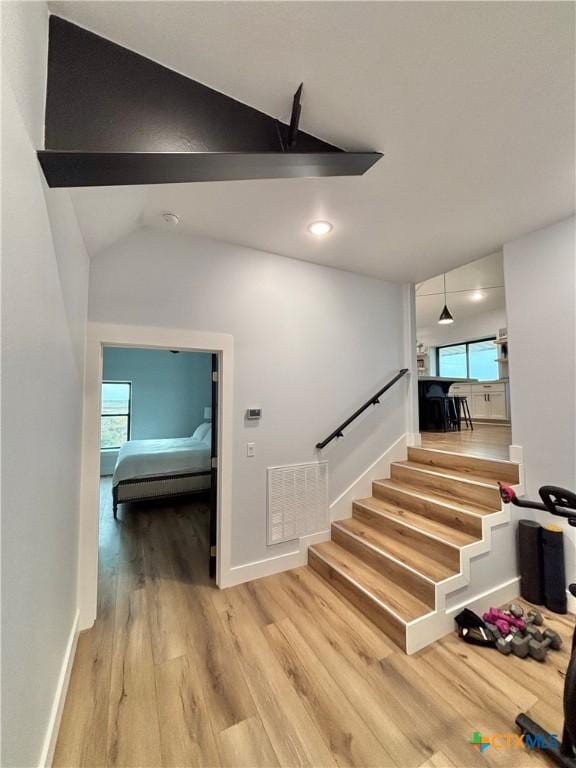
155 451
158 463
156 423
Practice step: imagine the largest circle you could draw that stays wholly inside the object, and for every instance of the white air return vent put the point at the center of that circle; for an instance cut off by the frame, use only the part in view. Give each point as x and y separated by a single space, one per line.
297 501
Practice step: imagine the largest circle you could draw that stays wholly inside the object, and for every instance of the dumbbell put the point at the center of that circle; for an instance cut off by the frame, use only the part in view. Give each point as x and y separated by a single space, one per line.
532 617
505 622
493 629
516 610
534 633
538 650
520 645
503 646
517 644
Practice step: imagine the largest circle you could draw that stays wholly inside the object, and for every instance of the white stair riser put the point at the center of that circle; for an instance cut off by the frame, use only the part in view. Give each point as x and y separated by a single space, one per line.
394 570
438 550
410 500
391 625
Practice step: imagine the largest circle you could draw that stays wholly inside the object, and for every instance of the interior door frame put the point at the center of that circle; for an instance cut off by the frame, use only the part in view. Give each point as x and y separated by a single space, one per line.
100 335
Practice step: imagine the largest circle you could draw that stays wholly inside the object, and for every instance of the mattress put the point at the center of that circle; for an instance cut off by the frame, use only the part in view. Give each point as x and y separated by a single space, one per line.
150 458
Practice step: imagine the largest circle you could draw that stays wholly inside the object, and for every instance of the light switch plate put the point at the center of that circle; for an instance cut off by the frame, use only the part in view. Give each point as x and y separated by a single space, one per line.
250 450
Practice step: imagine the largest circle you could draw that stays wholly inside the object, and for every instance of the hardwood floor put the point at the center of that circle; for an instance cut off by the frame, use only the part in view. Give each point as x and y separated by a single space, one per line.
486 440
277 672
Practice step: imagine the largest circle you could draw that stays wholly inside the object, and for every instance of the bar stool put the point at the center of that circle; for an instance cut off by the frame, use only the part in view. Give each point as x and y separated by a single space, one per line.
452 413
463 411
439 412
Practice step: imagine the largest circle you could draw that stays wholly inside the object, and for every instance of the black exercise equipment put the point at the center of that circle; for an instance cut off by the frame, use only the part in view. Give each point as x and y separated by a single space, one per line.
557 501
530 561
554 569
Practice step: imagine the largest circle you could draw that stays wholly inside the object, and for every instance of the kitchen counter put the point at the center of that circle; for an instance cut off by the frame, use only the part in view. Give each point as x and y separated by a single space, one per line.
456 380
430 387
487 399
451 379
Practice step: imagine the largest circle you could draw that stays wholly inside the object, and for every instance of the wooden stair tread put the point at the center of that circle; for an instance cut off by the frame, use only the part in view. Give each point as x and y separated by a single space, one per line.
455 485
438 498
454 474
427 525
469 464
402 551
399 601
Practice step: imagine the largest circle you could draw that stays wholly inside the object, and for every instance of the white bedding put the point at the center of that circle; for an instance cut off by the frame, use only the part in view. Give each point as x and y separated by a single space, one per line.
145 458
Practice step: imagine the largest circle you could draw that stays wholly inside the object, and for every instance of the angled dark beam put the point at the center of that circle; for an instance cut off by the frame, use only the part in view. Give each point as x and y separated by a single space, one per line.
100 169
115 117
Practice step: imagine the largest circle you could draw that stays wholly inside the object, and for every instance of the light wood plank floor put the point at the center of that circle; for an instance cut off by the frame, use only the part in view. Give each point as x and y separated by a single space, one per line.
490 441
280 671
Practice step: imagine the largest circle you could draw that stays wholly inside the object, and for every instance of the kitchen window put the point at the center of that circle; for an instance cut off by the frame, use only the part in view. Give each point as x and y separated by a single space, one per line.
469 360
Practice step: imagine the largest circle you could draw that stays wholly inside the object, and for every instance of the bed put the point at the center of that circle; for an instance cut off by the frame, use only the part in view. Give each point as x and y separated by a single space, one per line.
158 469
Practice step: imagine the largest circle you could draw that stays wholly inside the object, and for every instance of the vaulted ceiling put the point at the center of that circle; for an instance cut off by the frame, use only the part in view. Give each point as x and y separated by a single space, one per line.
474 289
472 104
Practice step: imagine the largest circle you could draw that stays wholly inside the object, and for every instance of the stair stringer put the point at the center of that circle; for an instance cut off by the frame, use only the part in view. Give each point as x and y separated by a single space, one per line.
440 622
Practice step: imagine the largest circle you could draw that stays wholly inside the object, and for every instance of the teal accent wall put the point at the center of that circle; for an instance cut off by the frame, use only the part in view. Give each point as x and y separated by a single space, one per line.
169 392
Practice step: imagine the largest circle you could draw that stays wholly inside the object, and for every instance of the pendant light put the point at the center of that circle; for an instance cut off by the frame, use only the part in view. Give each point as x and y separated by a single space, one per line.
445 316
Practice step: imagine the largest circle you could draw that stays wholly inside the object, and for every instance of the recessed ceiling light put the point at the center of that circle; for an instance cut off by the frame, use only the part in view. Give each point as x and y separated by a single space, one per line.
171 218
320 228
477 296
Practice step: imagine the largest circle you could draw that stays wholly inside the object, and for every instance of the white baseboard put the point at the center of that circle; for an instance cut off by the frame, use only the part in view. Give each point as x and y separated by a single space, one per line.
496 596
239 574
51 736
341 507
433 626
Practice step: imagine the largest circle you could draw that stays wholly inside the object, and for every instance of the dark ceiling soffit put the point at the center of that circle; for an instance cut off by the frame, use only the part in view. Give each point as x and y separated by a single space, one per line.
102 169
114 117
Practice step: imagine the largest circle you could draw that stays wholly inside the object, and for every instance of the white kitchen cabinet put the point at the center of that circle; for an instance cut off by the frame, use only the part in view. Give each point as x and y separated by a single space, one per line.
488 401
464 390
497 405
479 407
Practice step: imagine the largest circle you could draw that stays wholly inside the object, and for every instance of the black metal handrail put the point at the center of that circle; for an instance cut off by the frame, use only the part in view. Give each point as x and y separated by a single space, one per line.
375 400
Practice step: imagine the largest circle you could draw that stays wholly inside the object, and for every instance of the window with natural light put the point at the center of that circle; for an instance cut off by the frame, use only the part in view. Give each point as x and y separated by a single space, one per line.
115 415
469 360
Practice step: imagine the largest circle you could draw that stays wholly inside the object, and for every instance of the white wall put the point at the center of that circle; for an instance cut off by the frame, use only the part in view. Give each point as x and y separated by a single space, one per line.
311 344
540 276
44 297
169 392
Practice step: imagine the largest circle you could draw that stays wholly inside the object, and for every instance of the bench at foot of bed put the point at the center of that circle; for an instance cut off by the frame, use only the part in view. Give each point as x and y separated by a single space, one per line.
159 487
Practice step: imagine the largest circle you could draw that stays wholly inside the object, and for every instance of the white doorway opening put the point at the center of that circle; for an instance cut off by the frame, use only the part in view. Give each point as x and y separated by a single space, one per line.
102 335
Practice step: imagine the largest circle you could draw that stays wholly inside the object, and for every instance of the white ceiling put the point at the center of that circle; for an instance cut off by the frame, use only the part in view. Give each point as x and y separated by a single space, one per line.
472 104
485 275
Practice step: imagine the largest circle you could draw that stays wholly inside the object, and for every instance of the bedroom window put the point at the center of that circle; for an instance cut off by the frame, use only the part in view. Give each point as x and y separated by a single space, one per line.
115 416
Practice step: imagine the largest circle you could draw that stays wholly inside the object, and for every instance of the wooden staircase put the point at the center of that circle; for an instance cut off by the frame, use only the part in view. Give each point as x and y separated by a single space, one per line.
410 543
